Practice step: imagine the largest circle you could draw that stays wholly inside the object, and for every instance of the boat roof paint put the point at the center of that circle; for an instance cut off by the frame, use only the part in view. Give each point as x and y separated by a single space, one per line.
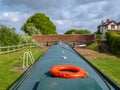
38 76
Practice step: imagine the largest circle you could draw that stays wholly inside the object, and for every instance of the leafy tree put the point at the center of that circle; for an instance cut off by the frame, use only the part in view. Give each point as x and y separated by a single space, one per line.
25 38
8 36
74 31
39 24
83 32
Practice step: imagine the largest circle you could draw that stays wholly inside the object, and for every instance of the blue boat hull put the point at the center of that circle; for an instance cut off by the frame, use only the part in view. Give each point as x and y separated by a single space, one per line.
38 76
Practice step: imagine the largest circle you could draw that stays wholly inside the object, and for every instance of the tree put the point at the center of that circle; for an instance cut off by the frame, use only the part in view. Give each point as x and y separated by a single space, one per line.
25 38
39 24
8 36
83 32
74 31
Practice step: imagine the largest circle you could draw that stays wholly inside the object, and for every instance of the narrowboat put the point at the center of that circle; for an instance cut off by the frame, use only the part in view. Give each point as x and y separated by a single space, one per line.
62 68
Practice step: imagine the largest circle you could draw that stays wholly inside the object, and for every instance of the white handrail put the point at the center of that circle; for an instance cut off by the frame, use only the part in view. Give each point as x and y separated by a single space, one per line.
32 58
27 55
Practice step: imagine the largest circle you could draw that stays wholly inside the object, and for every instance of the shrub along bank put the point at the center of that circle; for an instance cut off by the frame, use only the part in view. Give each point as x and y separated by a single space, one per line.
94 46
114 42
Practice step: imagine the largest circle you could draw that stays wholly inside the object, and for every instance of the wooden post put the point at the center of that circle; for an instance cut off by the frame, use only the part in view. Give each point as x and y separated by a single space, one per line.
8 49
12 50
17 47
0 50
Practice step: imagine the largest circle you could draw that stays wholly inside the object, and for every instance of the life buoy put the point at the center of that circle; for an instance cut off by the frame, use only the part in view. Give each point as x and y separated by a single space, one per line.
68 71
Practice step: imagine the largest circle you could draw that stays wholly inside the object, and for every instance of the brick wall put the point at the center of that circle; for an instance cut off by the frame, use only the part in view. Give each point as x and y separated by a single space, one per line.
76 39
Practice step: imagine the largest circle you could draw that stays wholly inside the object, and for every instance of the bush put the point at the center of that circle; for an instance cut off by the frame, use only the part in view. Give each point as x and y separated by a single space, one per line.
74 31
114 41
26 39
94 46
8 36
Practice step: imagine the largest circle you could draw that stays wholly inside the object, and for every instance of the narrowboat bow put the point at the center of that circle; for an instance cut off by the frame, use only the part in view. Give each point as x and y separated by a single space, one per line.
71 72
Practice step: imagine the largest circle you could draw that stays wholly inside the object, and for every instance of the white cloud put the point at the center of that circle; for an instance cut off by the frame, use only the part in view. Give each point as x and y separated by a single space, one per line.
59 22
13 17
66 14
5 14
10 17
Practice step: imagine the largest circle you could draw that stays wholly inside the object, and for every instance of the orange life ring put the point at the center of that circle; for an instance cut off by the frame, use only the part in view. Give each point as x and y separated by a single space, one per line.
68 71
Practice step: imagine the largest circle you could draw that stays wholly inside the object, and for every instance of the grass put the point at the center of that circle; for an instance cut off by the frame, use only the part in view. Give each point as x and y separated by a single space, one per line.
109 66
105 62
11 60
94 46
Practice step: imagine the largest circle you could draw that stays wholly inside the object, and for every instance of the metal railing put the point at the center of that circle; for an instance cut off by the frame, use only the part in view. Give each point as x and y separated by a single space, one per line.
26 57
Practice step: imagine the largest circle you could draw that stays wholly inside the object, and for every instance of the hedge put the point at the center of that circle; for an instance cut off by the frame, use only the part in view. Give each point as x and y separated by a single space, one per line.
113 39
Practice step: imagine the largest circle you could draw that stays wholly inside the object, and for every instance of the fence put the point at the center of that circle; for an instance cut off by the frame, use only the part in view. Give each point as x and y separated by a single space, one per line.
8 49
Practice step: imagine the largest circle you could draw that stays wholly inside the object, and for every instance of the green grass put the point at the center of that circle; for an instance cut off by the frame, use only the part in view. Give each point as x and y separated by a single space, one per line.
94 46
109 66
11 60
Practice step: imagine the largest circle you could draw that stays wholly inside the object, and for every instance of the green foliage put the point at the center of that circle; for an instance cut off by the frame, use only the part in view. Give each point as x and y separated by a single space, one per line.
74 31
97 32
39 24
8 36
114 42
26 39
8 63
94 46
98 36
31 29
83 32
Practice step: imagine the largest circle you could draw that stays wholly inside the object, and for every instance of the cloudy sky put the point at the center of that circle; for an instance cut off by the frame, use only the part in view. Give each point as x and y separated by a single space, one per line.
65 14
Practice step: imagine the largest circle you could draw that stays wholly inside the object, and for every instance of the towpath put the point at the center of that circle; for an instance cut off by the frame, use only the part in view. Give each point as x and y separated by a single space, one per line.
91 54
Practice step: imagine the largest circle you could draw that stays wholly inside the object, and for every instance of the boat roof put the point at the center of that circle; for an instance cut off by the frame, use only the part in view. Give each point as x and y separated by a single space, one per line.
38 76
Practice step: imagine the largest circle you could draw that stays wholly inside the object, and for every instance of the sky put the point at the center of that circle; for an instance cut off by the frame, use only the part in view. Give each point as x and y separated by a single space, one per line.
65 14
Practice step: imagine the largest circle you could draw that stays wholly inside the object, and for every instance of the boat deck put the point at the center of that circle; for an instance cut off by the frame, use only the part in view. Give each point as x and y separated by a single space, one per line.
38 76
